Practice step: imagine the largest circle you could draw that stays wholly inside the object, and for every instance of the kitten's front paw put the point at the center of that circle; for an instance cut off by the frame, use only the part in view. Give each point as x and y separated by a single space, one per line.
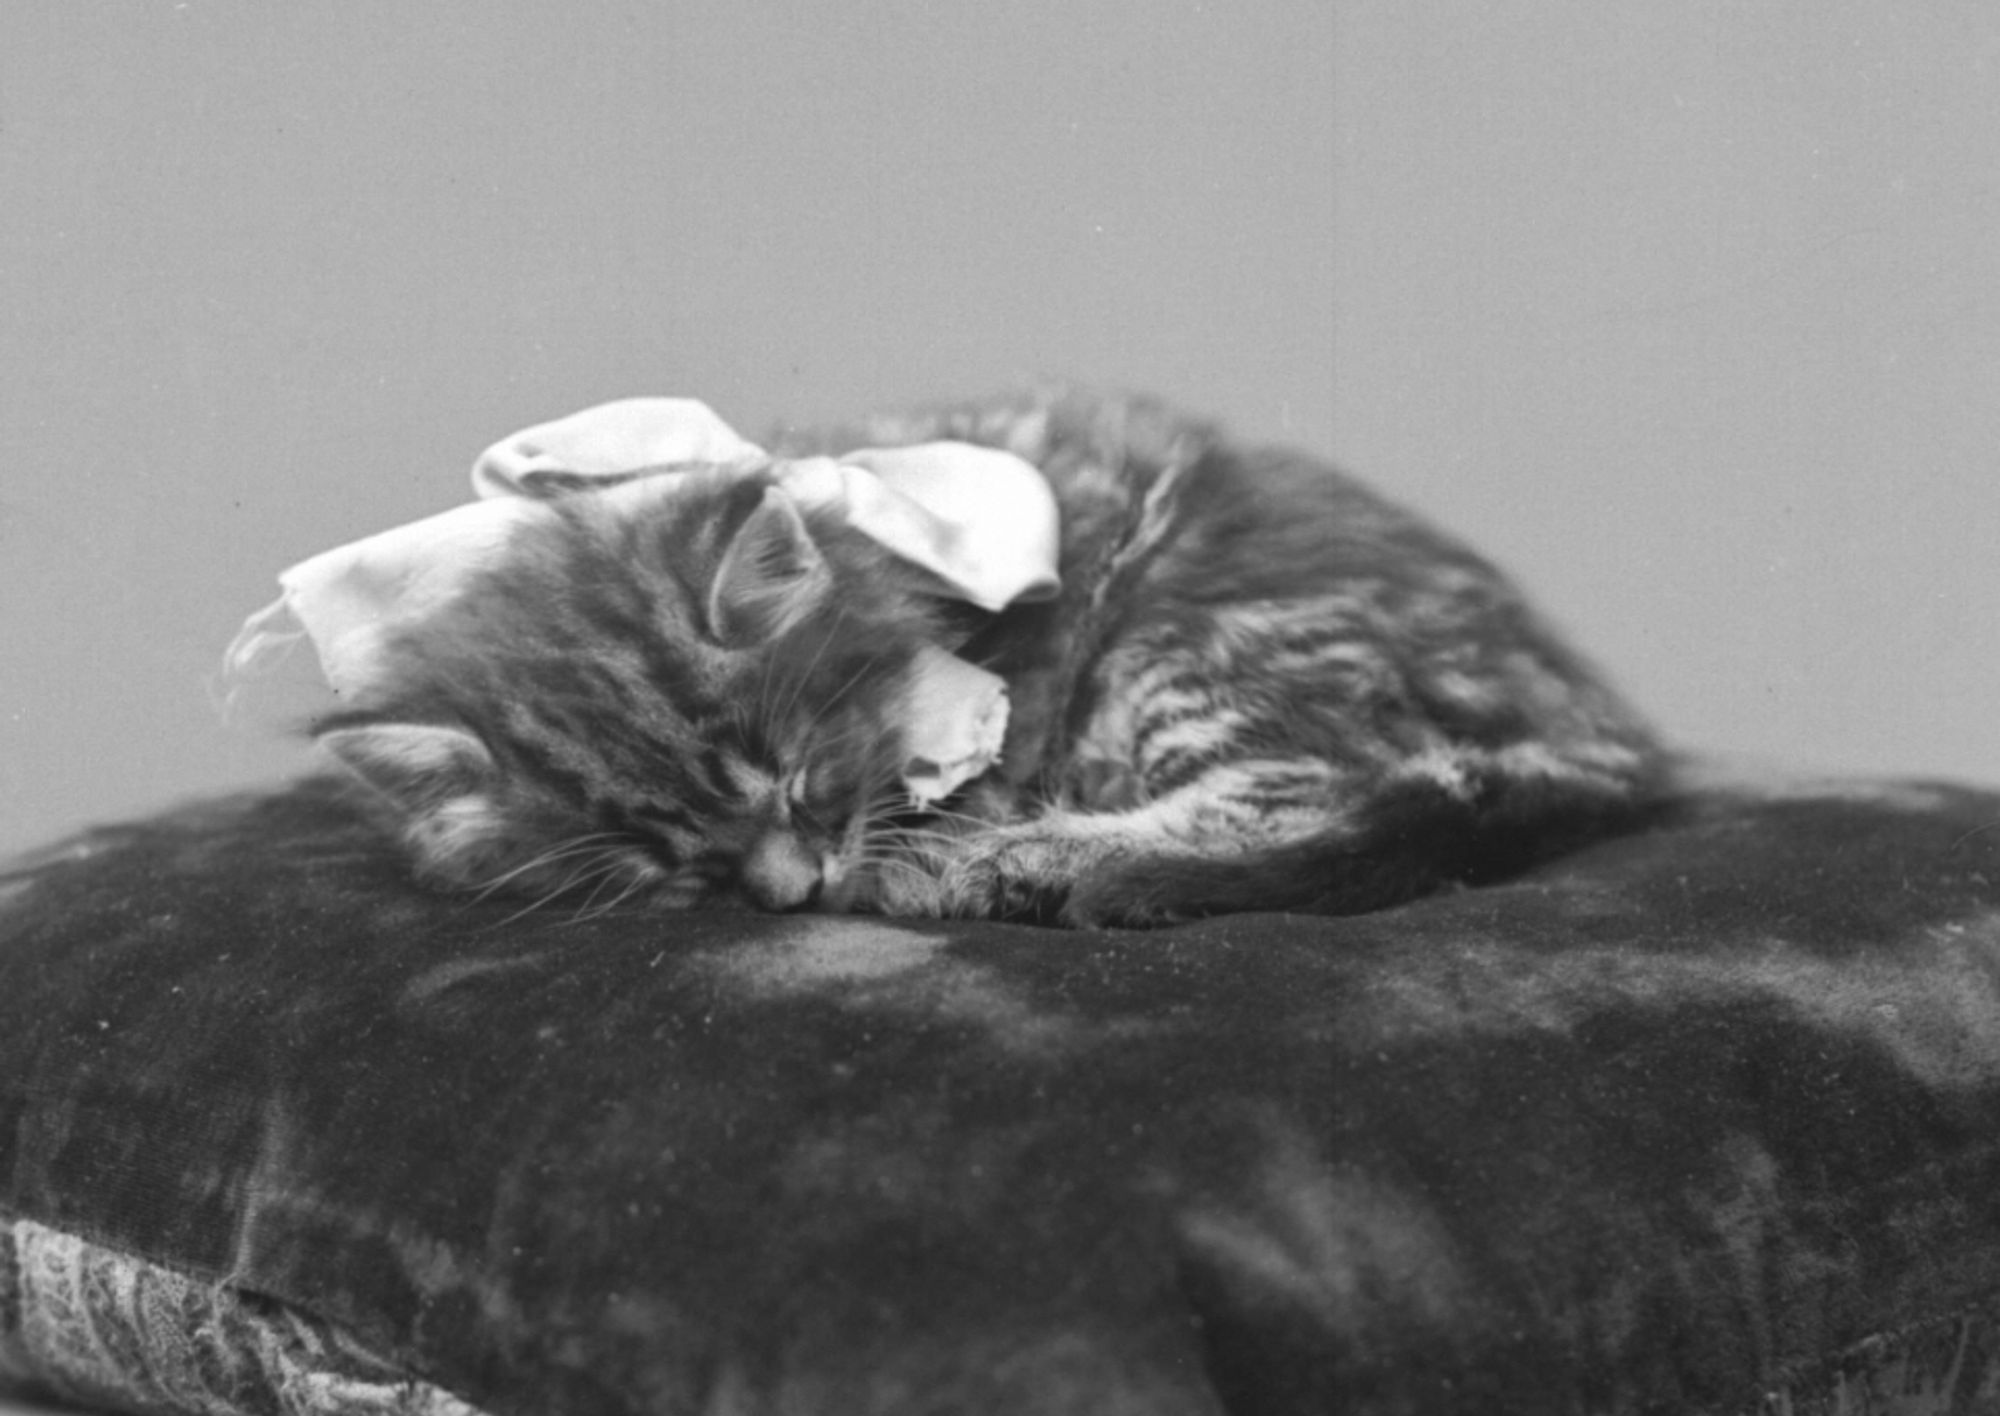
1028 873
1033 875
981 875
994 882
930 880
902 888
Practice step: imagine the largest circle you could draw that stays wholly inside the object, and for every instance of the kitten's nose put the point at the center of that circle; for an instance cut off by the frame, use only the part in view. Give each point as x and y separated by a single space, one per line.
781 873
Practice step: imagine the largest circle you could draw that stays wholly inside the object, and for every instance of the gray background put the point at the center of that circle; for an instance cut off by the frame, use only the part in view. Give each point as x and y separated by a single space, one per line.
1687 314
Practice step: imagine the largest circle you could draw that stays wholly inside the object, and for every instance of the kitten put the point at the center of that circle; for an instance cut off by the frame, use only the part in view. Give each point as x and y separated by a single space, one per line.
1261 687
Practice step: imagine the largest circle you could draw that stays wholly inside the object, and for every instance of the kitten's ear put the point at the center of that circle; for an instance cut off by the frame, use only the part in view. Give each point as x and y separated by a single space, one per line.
416 765
771 574
438 782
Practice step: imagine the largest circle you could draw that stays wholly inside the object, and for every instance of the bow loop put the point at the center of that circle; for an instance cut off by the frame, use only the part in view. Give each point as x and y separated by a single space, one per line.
981 520
614 440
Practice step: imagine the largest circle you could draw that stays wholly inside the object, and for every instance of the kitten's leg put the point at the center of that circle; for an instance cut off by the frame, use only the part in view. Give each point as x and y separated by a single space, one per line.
1289 834
1043 868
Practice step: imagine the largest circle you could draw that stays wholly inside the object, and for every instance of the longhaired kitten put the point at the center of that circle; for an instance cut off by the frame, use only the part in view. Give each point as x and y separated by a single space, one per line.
1261 687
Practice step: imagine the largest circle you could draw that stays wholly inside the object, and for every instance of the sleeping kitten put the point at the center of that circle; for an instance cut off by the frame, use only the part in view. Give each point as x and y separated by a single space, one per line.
1261 688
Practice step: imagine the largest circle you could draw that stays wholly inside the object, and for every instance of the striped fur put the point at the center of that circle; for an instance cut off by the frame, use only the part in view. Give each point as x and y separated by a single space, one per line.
1262 687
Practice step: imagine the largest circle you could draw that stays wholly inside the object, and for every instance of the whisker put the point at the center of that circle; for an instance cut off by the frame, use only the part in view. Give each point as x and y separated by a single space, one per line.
887 832
856 732
750 710
593 868
494 886
638 884
799 687
854 678
606 872
945 813
531 907
876 863
909 849
597 864
636 880
561 851
879 857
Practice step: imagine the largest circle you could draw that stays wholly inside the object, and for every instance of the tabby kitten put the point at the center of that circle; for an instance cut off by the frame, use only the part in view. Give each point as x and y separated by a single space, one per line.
1261 687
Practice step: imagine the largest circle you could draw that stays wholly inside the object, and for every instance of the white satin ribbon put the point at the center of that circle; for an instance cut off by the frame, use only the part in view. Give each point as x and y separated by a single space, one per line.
982 521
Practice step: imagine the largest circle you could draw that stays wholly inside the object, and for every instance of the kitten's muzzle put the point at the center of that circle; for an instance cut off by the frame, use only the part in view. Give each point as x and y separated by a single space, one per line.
781 872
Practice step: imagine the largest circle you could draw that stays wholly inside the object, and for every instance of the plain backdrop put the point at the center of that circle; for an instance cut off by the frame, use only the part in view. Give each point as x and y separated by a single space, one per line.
1686 314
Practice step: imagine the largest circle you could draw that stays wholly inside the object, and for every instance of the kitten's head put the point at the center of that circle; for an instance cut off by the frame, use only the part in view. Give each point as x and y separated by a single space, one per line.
703 699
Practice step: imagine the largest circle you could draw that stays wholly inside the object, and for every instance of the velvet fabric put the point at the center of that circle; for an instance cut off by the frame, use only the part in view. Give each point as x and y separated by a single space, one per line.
1702 1119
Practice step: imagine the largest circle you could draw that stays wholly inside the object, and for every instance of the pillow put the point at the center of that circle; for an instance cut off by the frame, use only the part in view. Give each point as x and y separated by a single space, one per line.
1692 1120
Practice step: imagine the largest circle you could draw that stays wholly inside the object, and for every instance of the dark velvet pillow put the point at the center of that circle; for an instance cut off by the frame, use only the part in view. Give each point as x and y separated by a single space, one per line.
1697 1120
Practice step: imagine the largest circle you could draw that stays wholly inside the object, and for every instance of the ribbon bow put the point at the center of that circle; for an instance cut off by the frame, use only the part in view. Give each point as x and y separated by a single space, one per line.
981 521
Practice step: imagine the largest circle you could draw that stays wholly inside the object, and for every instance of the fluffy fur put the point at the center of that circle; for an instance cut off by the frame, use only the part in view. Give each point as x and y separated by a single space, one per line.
1262 687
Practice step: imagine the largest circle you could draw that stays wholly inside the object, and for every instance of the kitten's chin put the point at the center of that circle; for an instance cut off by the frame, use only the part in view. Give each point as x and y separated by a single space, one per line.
850 888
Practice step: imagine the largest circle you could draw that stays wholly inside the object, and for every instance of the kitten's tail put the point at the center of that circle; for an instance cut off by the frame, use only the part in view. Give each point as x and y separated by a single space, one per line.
1416 837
